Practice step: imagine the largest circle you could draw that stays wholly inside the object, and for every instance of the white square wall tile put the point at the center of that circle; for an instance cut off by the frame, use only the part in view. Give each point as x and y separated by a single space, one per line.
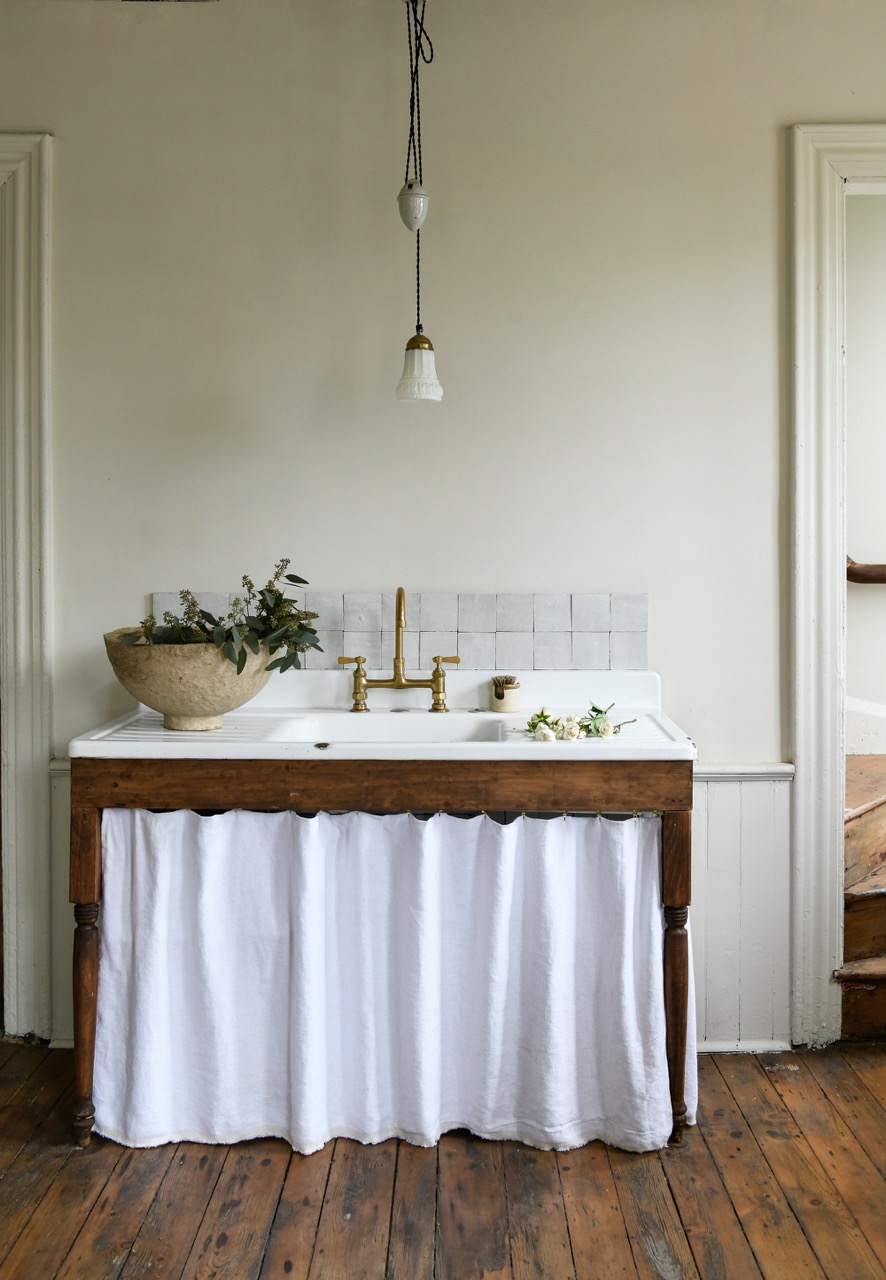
513 612
627 651
513 651
432 643
367 643
590 650
410 649
476 612
362 611
590 612
439 611
553 651
217 603
630 612
476 650
165 602
552 612
329 607
331 642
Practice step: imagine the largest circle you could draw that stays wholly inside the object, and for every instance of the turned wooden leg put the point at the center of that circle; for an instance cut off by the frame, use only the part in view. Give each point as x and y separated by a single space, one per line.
676 976
86 892
85 1003
676 878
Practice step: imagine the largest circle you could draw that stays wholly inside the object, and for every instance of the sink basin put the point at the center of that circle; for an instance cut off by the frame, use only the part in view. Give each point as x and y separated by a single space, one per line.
388 727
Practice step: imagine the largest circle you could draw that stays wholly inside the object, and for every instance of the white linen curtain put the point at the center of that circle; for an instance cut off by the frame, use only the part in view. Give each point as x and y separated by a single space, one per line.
369 976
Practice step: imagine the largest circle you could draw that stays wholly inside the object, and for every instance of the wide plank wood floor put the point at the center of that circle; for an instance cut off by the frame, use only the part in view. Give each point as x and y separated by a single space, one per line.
784 1177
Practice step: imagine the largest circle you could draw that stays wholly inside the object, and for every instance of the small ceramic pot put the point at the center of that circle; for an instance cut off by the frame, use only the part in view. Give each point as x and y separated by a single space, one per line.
505 697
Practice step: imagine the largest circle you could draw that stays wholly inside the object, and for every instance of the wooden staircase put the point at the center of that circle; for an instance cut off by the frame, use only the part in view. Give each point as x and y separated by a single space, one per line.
863 974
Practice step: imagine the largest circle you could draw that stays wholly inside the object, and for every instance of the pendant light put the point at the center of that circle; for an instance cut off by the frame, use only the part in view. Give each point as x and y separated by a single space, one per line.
419 380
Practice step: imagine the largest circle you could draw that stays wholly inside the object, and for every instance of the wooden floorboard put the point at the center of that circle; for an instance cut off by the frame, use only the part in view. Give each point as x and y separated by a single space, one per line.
784 1176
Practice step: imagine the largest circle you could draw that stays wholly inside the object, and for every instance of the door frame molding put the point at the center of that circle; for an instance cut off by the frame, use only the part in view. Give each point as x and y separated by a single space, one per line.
25 565
829 161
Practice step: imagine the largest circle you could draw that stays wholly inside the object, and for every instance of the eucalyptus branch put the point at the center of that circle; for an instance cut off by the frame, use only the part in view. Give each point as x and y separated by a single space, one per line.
264 617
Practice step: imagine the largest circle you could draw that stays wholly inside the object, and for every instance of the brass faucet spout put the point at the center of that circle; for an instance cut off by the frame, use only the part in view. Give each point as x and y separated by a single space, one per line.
400 627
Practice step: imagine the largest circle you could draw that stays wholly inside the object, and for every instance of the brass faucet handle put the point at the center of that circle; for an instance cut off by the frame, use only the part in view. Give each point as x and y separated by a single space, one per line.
438 683
360 682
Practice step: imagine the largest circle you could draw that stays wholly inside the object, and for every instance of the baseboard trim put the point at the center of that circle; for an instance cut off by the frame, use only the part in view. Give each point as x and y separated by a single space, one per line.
743 772
745 1046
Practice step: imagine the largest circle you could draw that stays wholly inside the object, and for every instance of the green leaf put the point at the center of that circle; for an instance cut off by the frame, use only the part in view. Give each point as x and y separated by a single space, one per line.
241 661
293 577
285 663
230 652
251 641
209 617
219 635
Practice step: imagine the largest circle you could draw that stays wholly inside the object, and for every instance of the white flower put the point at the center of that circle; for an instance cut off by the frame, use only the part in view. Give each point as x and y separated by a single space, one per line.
571 729
544 733
607 729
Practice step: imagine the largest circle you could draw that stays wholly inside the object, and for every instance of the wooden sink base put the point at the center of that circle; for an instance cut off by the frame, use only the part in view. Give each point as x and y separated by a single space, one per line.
379 786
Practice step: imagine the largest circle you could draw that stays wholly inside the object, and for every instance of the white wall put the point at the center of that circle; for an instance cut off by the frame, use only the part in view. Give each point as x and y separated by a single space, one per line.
866 441
605 281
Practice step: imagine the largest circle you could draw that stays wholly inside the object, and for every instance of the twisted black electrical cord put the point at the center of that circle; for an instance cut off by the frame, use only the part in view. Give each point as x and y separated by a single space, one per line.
420 50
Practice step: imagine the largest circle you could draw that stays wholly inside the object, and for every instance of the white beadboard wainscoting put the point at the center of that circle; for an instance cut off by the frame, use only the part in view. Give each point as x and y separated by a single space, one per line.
741 909
740 916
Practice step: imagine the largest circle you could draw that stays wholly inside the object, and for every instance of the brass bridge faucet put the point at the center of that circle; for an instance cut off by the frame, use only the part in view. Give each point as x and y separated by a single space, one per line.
436 682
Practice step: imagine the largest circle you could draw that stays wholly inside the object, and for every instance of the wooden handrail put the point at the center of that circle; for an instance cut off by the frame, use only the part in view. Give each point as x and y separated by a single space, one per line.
864 572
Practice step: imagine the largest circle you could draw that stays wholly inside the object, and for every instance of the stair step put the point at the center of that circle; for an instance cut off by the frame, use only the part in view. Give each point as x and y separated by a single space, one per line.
864 817
871 970
864 847
864 917
864 927
873 885
864 999
865 782
863 973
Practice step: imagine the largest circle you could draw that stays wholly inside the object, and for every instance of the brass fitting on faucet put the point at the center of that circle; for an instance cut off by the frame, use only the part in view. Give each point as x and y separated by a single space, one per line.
436 683
360 682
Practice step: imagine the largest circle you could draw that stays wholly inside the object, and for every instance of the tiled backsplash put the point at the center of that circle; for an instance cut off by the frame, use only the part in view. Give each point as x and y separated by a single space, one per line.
554 631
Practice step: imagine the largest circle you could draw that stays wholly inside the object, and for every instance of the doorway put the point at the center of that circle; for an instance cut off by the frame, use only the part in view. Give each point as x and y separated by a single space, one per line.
830 162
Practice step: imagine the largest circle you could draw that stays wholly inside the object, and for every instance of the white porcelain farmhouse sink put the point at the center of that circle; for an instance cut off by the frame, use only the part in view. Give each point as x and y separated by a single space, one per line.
316 723
381 735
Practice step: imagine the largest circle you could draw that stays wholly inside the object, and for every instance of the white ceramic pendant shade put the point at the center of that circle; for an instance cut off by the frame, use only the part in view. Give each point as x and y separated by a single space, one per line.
419 380
413 203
